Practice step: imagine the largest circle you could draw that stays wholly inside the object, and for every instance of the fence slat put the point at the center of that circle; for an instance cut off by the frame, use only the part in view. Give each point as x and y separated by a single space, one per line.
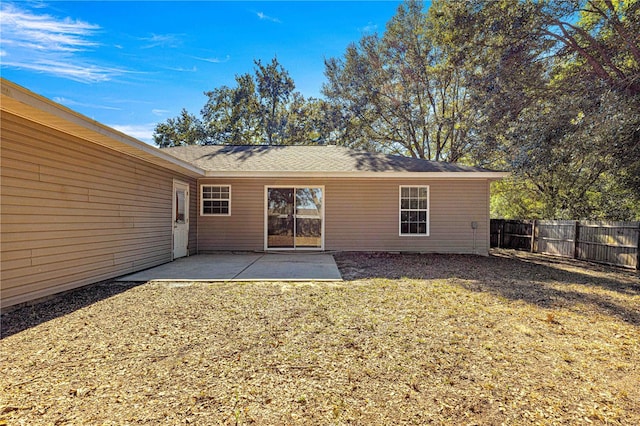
557 237
614 243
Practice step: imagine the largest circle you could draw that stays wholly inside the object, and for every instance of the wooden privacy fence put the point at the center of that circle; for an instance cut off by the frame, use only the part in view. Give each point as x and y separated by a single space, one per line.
614 243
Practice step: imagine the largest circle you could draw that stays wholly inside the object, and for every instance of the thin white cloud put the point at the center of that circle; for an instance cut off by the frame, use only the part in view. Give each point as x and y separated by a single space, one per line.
370 28
72 103
161 40
143 132
79 71
51 45
182 69
213 60
263 17
159 111
45 31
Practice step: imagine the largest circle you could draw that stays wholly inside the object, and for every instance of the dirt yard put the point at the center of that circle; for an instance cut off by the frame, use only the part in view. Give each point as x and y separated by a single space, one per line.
405 339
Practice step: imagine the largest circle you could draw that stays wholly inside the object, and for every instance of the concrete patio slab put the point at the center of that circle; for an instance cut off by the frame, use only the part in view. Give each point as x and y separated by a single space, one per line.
243 267
288 267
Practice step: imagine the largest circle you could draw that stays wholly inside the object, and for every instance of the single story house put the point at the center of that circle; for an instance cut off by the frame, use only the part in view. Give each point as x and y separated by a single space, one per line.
335 198
82 202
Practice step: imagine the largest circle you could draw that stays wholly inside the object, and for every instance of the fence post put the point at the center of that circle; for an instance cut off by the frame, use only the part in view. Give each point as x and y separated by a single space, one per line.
533 236
501 234
638 249
576 235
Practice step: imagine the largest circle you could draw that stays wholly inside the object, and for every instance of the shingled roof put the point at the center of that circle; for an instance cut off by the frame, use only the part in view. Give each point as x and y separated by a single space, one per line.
309 159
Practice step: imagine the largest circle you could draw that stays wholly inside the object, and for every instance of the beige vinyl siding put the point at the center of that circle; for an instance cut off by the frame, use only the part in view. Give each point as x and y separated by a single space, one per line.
363 215
243 229
360 215
74 212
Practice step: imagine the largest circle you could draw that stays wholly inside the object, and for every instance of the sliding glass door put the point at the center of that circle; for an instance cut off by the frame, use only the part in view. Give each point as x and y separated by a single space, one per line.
308 218
294 217
280 222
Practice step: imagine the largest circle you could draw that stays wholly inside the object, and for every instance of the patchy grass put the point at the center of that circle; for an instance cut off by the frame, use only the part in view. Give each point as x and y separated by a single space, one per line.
407 339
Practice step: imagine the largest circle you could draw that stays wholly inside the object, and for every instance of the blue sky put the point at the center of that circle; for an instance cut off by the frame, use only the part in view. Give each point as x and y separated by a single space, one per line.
130 65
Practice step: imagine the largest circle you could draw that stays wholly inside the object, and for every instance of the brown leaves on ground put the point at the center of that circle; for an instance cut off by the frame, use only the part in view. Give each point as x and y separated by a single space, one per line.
407 339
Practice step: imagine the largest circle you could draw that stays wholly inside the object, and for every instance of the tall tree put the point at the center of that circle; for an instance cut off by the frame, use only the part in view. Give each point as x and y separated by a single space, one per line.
605 39
262 108
275 88
306 123
232 115
185 129
554 84
505 64
397 93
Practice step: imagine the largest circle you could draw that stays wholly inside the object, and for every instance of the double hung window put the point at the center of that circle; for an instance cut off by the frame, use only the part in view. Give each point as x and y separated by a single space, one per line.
414 210
215 200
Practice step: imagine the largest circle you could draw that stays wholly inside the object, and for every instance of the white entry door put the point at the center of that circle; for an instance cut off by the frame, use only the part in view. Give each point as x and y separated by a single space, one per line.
180 219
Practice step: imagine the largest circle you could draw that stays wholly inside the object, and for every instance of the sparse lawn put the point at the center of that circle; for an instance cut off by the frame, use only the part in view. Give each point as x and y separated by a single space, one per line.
406 339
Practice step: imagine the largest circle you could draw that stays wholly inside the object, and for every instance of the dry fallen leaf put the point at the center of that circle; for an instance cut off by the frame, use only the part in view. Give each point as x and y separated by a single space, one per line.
407 339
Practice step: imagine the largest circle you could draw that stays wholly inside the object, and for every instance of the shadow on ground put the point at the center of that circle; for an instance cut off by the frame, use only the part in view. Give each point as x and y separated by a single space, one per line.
545 281
513 275
28 316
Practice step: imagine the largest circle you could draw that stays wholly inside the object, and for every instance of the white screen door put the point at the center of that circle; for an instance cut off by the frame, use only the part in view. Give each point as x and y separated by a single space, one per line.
180 219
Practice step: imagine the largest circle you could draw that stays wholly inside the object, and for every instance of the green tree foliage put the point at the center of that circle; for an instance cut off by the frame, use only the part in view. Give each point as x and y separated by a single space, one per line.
514 198
555 83
275 88
185 129
307 121
232 115
558 148
262 108
605 39
505 64
398 93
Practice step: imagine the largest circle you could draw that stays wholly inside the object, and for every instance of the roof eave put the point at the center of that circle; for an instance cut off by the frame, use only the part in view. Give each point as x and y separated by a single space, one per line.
488 175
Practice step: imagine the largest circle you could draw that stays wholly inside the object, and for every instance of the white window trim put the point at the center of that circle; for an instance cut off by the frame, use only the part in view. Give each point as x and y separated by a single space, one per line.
202 200
400 211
